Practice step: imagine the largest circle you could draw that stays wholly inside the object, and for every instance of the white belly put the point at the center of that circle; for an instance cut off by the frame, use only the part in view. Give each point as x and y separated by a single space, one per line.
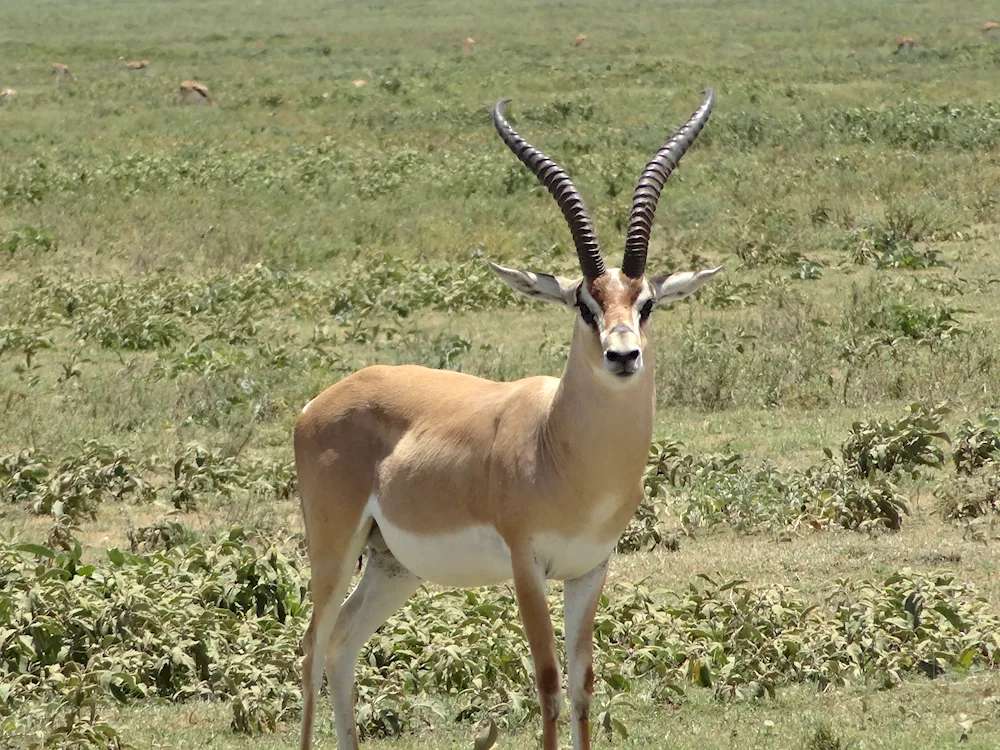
565 558
473 556
478 555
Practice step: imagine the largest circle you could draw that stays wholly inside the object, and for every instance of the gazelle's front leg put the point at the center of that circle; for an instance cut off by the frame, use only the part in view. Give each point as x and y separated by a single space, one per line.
581 597
529 585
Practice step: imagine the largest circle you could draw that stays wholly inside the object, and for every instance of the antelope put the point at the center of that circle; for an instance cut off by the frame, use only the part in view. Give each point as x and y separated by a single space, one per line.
905 44
193 92
468 46
459 481
61 73
580 40
990 27
7 94
359 82
136 66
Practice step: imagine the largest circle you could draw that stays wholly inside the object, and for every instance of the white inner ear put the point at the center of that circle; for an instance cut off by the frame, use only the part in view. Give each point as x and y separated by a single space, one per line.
541 286
681 284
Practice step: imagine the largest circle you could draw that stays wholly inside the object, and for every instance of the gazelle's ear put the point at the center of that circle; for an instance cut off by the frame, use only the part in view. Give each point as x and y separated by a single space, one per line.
675 286
541 286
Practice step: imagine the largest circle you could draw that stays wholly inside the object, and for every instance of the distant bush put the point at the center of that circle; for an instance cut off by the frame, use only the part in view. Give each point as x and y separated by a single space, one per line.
969 496
27 240
975 445
77 485
904 445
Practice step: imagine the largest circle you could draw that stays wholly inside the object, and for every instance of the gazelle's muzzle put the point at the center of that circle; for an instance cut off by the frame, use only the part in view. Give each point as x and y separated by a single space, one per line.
622 351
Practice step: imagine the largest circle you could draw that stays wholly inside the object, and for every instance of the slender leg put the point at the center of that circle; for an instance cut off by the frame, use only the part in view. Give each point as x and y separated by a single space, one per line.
581 597
529 585
328 593
332 567
384 588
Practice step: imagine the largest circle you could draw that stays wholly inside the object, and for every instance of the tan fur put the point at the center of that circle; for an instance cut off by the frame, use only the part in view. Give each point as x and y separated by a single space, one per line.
136 66
905 43
7 94
990 27
580 40
468 46
193 92
62 73
359 82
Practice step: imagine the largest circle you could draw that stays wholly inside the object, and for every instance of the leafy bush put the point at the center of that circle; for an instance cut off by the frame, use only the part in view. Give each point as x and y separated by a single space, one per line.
707 490
214 621
221 620
878 445
897 320
968 496
162 535
27 240
976 444
199 471
24 340
76 485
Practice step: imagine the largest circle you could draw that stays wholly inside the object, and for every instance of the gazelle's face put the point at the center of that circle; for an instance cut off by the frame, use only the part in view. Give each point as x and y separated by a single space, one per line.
613 308
616 309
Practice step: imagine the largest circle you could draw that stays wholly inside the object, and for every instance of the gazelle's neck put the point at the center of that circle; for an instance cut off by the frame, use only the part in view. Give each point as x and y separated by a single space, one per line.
602 426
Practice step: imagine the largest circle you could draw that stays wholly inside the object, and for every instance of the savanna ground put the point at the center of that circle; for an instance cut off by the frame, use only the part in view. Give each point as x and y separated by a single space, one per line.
178 281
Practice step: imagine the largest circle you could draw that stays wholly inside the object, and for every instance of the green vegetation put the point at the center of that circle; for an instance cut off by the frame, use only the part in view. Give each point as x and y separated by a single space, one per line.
812 566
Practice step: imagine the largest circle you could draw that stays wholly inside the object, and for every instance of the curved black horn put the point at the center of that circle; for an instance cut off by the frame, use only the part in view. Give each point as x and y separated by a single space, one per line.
654 177
563 190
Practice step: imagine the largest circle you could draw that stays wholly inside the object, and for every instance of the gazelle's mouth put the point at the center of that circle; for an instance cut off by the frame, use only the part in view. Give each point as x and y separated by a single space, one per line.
623 370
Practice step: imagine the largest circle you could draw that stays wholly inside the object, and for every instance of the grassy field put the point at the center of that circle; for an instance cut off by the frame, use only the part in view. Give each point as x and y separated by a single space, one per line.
176 282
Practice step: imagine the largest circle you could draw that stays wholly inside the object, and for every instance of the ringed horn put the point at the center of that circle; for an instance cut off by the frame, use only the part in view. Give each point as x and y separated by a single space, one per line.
654 177
644 200
563 190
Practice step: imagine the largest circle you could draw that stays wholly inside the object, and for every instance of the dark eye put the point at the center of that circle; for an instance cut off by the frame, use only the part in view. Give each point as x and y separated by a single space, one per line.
587 315
645 311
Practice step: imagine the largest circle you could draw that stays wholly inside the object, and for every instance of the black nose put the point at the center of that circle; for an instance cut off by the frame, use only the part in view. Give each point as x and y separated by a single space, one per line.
627 357
622 362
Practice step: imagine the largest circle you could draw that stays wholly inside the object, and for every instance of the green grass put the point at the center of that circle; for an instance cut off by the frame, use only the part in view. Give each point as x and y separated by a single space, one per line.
924 712
833 180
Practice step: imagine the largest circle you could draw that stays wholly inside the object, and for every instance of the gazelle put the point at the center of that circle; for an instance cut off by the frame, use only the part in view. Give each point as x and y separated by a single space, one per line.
468 46
580 40
460 481
905 44
61 73
7 94
193 92
136 66
990 27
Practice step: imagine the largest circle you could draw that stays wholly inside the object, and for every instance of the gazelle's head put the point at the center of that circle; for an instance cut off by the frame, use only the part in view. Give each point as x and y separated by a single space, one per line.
613 305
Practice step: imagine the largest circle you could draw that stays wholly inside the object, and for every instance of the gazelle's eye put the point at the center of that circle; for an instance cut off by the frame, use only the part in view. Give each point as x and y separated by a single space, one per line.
586 314
645 311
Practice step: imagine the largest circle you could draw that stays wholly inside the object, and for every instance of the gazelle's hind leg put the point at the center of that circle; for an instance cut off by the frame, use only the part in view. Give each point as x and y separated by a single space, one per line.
384 588
332 568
